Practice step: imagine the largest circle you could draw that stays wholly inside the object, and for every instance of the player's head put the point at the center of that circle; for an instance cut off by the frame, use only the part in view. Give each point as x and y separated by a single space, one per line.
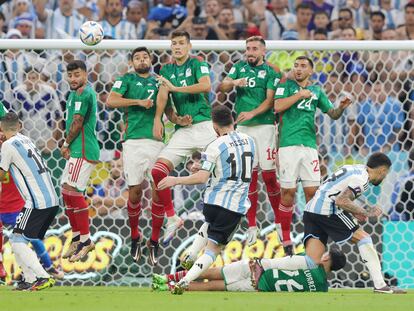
77 75
378 167
222 119
302 68
333 260
180 44
255 50
10 124
141 60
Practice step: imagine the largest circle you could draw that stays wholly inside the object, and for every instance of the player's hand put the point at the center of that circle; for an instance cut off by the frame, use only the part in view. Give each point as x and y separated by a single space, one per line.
184 120
345 103
166 83
158 129
240 82
245 116
374 211
361 218
146 103
64 151
167 182
304 93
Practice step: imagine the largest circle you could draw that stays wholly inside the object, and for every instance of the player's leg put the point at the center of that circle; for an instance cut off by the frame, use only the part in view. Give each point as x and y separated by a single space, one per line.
216 285
309 172
2 270
200 241
370 257
45 259
251 213
134 211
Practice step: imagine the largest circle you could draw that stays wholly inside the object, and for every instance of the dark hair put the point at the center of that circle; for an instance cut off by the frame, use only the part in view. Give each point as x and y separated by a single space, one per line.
181 33
338 258
377 13
352 28
302 57
140 49
10 121
320 12
347 10
304 6
409 5
256 38
378 159
76 64
320 31
221 115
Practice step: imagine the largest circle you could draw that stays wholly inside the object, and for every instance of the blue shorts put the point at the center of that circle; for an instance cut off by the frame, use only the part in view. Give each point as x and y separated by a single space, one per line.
9 218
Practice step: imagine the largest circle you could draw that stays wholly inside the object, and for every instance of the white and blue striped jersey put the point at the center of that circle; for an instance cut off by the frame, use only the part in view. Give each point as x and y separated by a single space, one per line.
230 159
354 177
20 156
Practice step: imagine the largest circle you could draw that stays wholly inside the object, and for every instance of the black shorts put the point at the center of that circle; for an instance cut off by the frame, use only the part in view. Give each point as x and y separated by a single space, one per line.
222 223
339 228
33 223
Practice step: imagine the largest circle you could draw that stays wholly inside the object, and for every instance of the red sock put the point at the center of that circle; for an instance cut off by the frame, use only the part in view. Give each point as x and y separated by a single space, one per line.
1 238
176 276
81 212
134 210
158 172
157 214
273 191
253 197
285 219
69 210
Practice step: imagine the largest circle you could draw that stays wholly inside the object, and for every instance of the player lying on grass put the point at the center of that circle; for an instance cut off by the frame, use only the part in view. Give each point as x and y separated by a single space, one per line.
257 275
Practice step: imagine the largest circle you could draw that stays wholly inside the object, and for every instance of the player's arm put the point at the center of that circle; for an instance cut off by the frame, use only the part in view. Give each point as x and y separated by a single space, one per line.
2 174
75 129
228 84
336 113
282 104
203 86
115 100
263 107
176 119
200 177
345 201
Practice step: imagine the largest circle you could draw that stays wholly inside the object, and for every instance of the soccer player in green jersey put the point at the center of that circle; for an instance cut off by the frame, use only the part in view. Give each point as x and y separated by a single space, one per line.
185 84
296 102
259 275
81 150
135 93
255 82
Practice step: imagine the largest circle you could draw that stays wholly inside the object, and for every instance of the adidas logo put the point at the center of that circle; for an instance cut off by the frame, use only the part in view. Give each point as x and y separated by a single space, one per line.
172 76
242 70
200 265
139 83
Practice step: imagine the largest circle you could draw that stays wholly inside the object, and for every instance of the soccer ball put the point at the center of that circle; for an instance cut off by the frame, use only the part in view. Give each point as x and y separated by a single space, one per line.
91 33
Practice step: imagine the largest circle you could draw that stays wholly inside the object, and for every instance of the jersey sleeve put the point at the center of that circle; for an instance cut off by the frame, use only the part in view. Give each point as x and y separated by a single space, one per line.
3 110
357 184
324 103
201 70
6 156
272 80
233 74
209 158
282 91
82 104
120 85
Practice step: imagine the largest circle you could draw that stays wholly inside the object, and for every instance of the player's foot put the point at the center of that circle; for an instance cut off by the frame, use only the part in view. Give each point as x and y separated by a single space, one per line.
71 250
173 224
3 273
159 279
55 272
153 252
23 286
179 288
159 287
389 290
82 250
187 262
136 250
252 234
288 249
43 283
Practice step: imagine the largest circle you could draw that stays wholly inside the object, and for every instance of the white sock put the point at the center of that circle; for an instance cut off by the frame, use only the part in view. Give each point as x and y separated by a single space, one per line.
370 258
199 242
1 256
27 260
279 232
289 263
84 237
201 265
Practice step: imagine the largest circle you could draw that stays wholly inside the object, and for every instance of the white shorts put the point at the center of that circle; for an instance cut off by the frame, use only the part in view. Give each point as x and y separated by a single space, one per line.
139 156
265 139
299 163
237 277
186 140
77 173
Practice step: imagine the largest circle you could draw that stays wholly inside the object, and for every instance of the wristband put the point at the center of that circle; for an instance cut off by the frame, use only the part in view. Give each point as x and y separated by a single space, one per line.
65 145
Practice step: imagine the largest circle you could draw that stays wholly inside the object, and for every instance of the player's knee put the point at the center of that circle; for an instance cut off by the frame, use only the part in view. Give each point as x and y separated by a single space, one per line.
269 178
288 196
135 194
159 171
18 238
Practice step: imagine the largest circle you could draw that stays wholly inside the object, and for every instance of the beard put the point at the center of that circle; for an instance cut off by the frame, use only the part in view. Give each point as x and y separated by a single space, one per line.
254 62
142 69
76 87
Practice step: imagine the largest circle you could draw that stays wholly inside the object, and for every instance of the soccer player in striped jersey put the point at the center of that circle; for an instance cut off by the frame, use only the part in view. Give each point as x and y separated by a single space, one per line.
22 159
331 213
136 93
255 83
81 150
229 159
185 84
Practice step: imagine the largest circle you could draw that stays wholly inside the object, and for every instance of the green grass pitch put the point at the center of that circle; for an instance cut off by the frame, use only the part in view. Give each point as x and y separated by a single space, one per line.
62 298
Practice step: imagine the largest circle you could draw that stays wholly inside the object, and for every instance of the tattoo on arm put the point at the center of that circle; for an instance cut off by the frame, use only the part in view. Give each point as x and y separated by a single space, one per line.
75 128
335 113
345 201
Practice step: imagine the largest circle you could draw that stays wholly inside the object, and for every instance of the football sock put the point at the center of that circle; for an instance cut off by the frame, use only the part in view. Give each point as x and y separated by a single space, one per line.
159 172
69 211
134 211
157 215
285 220
370 258
29 258
176 276
1 241
273 191
42 253
28 274
289 263
199 242
81 212
201 265
253 197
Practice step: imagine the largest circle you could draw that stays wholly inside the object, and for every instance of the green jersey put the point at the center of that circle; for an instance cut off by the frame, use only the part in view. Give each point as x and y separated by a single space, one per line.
297 124
138 120
189 73
3 110
85 145
259 80
274 280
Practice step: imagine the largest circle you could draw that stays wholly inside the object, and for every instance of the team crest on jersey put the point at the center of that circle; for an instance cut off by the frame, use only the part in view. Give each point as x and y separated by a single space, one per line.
261 74
188 72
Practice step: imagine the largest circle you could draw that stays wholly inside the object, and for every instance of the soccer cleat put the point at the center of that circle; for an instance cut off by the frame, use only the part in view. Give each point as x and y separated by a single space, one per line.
82 250
159 287
288 250
71 250
179 288
136 250
389 290
187 262
159 279
153 252
252 234
43 283
55 272
173 224
3 273
23 286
